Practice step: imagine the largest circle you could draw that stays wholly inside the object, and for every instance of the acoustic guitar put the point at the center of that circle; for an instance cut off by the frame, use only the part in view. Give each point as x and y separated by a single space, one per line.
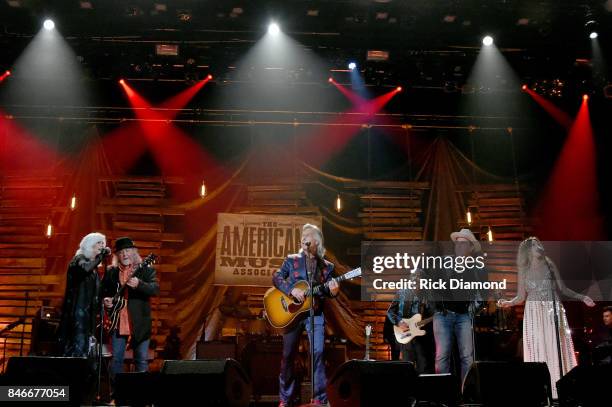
282 309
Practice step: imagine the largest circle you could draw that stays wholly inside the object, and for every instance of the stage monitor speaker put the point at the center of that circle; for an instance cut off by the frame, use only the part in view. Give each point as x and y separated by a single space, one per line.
502 384
373 383
51 371
437 389
209 382
585 386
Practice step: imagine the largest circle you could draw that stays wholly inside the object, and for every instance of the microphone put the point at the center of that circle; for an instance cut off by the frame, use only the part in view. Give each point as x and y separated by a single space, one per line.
105 252
307 244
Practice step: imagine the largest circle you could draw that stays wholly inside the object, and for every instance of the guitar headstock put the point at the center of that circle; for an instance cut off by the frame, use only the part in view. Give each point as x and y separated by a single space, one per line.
352 274
150 259
368 330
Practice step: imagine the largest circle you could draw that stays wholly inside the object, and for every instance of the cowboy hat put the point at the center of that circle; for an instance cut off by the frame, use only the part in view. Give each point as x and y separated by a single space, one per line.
468 235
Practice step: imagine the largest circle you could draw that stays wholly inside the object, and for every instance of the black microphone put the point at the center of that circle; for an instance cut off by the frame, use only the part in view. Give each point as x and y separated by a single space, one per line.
307 244
105 252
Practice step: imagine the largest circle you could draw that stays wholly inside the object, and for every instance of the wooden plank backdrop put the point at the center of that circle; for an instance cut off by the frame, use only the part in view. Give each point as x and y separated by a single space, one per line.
140 207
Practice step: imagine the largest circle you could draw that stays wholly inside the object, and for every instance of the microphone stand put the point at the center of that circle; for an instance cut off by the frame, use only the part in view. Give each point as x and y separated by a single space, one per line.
556 317
100 342
312 328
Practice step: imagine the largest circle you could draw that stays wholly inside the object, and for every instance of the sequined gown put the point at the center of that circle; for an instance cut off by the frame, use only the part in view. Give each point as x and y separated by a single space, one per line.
539 339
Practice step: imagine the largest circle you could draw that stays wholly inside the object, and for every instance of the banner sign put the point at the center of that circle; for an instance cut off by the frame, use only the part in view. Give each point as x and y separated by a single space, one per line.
250 248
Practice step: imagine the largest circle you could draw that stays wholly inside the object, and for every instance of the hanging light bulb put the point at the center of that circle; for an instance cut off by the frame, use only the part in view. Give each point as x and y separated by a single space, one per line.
73 202
49 232
338 203
490 235
203 190
468 216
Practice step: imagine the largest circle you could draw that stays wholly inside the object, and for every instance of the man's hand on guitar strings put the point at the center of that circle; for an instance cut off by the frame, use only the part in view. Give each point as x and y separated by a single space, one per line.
298 294
108 302
334 287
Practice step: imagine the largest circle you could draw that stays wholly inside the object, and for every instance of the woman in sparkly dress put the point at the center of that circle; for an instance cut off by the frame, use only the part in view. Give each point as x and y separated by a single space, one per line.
538 282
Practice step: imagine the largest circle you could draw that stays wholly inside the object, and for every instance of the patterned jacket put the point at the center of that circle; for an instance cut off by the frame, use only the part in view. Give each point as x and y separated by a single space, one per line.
294 270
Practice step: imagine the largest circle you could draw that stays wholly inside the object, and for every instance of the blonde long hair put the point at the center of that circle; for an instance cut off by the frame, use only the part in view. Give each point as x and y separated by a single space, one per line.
318 236
524 256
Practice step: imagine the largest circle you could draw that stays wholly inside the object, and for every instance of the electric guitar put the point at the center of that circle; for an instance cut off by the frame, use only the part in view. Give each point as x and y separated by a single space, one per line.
282 310
414 323
111 318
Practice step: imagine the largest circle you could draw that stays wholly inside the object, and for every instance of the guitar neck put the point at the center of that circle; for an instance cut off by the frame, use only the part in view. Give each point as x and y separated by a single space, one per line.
425 321
318 288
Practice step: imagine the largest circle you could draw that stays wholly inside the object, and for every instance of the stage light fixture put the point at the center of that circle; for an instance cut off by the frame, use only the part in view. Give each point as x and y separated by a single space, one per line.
122 81
468 217
209 77
49 231
585 97
273 29
203 190
593 35
49 24
352 66
73 202
524 87
398 89
338 204
330 80
487 40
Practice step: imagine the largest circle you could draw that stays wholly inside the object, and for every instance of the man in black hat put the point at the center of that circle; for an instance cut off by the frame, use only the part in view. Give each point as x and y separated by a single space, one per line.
135 318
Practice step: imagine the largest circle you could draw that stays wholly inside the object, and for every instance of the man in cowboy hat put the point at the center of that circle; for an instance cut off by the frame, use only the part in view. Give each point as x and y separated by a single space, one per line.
454 310
135 318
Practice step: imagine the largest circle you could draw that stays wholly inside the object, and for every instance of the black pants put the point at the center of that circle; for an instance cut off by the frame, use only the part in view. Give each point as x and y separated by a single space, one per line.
417 351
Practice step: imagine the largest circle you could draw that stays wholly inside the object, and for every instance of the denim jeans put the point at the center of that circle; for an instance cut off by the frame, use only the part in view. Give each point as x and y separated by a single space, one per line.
290 347
445 328
141 353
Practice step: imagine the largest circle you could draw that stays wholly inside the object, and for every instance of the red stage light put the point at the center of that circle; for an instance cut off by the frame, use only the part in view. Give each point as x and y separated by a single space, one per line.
330 80
122 81
8 73
209 77
398 89
524 87
5 75
585 97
